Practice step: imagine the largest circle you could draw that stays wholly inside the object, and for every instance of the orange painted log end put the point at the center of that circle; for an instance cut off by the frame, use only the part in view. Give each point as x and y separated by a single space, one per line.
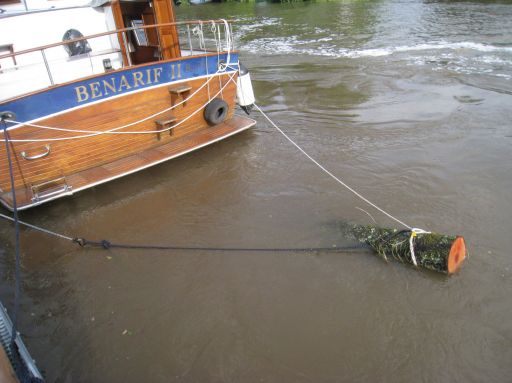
457 255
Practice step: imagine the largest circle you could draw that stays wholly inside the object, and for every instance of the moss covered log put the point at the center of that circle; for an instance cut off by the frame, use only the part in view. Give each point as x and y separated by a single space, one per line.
438 252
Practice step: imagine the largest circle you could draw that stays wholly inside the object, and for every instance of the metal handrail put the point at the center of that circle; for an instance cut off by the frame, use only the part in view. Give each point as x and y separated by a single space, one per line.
108 33
36 156
124 43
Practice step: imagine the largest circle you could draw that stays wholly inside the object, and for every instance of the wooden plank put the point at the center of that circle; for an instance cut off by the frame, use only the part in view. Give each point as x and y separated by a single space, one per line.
138 161
179 89
72 156
7 374
169 42
118 20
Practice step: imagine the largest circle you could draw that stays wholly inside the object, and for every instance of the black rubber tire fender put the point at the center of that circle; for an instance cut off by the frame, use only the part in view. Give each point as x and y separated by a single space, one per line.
216 111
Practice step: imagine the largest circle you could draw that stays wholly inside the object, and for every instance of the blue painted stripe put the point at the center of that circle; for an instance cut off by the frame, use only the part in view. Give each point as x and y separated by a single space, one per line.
108 85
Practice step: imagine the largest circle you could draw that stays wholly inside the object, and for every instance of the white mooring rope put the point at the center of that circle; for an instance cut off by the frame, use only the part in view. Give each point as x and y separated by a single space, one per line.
92 133
417 231
38 228
414 233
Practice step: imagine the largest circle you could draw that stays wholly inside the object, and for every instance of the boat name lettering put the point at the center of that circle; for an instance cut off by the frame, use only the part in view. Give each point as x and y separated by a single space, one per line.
114 85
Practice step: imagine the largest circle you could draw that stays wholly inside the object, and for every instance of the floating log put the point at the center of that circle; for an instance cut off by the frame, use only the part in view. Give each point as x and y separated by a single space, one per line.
438 252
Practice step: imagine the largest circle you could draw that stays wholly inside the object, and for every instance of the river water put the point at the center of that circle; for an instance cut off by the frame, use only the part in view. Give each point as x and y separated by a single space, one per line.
408 101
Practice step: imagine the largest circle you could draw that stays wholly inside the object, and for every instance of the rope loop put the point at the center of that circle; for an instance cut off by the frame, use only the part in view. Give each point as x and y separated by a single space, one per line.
414 233
198 31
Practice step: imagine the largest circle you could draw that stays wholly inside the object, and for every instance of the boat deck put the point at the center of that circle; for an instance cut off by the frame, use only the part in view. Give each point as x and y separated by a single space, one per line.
69 184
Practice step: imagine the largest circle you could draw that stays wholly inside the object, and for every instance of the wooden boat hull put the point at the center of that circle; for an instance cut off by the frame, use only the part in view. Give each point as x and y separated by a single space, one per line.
114 124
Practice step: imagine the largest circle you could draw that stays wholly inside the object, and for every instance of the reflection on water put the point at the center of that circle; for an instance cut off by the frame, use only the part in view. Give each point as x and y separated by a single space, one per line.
408 101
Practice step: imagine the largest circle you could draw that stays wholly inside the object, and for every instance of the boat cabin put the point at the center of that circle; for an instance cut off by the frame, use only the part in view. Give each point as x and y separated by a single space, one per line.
150 44
82 40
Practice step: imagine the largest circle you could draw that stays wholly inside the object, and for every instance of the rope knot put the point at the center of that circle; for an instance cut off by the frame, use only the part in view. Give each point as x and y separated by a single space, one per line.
105 244
80 241
414 234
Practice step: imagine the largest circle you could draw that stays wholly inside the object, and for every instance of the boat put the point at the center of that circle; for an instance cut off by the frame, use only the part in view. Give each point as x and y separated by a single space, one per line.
90 93
198 2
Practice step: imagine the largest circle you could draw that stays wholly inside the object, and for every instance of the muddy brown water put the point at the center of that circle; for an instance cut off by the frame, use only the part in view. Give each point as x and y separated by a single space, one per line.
408 101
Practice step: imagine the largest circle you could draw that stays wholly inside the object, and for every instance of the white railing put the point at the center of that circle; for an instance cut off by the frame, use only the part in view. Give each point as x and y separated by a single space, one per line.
49 65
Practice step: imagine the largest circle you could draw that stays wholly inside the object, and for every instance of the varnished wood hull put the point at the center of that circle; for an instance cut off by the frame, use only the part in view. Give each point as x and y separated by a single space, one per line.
72 161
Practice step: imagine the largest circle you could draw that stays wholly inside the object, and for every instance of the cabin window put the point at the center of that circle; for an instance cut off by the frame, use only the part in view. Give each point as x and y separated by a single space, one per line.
140 34
75 48
9 2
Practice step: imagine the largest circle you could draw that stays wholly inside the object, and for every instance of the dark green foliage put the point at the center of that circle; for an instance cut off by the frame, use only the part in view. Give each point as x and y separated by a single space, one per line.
431 250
